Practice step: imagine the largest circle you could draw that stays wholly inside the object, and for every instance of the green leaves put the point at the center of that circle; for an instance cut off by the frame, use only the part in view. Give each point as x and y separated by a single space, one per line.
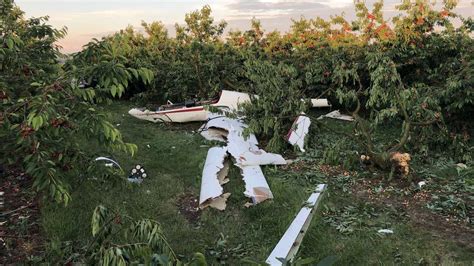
46 113
9 43
279 101
143 241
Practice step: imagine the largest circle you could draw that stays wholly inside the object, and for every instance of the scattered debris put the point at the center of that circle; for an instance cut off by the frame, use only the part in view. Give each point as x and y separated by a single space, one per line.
320 103
289 244
111 162
188 206
298 131
337 115
421 184
256 186
248 156
385 231
259 157
214 175
213 133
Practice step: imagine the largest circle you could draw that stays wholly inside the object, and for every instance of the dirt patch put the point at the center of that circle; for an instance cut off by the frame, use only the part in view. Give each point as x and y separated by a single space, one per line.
413 205
188 206
20 234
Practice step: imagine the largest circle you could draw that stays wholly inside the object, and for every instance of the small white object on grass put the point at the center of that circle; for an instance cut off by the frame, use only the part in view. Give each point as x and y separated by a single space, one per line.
385 231
421 184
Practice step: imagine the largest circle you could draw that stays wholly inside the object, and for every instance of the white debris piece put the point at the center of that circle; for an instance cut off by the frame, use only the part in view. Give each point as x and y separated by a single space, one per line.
213 133
213 177
259 157
385 231
298 131
320 103
108 160
421 184
337 115
248 156
256 186
289 244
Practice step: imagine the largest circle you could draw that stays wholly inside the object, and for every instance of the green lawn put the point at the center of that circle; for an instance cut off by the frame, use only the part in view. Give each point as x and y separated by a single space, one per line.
174 156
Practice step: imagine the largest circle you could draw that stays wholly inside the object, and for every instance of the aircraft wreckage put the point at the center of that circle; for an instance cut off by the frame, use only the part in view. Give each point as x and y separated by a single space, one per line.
246 154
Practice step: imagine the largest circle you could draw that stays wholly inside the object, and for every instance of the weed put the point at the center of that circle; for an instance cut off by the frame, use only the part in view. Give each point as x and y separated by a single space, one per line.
223 253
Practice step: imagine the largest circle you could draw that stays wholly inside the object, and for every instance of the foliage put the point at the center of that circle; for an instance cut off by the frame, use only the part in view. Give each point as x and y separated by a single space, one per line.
144 241
451 188
104 66
350 218
273 111
43 114
222 252
414 72
120 240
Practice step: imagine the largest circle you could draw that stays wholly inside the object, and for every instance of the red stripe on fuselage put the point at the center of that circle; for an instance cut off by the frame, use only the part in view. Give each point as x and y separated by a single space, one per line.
178 111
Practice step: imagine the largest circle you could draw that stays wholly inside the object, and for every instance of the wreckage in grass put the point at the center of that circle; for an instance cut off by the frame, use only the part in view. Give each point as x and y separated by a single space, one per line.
190 110
246 154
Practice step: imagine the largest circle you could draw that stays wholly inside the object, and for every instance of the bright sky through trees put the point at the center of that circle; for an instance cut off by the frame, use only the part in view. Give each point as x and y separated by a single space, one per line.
88 19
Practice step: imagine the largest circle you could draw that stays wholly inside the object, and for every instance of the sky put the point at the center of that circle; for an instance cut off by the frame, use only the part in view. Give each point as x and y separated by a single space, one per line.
87 19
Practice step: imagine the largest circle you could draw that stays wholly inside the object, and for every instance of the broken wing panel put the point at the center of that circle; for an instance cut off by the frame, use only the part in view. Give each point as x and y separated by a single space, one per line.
256 186
213 176
289 244
259 157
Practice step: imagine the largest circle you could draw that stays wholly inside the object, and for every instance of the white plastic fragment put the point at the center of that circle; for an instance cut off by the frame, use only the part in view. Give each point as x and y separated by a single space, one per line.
421 184
298 131
259 157
320 103
385 231
289 244
213 133
256 186
213 177
337 115
108 160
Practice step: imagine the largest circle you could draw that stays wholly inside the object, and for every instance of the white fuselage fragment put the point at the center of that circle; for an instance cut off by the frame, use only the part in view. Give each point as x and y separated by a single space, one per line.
337 115
256 186
320 103
229 100
298 131
289 244
214 175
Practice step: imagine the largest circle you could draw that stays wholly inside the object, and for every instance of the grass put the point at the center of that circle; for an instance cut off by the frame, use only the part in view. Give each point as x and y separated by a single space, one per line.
174 156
